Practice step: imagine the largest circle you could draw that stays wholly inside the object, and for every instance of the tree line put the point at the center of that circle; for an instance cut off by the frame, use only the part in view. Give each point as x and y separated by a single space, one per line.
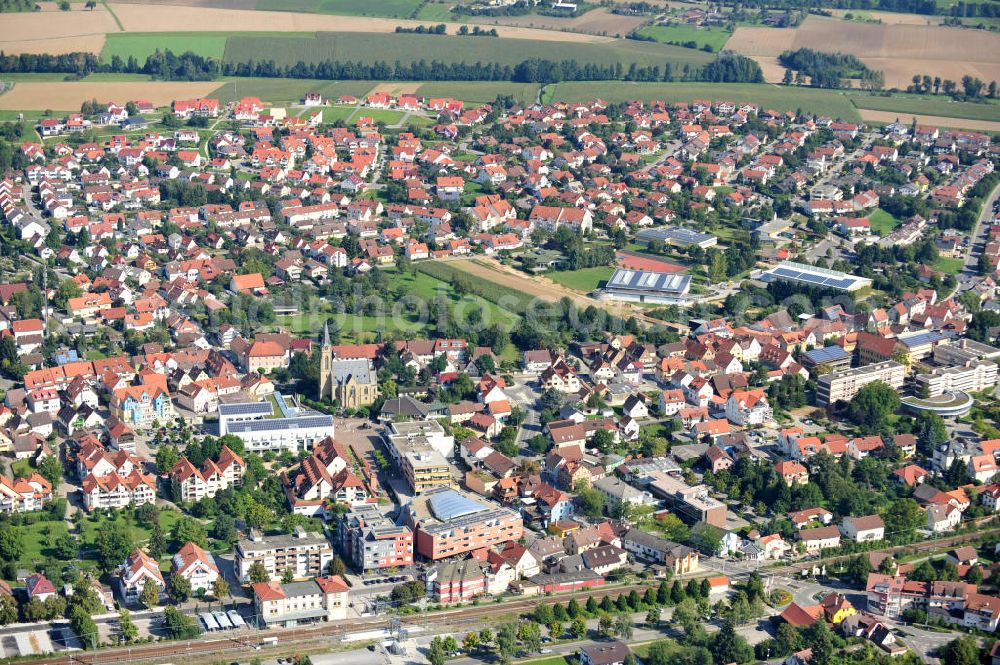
166 65
972 87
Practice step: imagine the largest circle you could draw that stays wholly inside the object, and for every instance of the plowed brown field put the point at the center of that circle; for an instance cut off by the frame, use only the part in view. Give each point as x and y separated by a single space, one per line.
900 50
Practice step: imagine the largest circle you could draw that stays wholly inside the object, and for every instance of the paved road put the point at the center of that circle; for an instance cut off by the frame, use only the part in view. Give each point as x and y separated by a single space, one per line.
977 243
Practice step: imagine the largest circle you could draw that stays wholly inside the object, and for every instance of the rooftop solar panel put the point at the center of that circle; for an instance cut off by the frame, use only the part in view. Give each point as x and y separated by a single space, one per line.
276 424
246 409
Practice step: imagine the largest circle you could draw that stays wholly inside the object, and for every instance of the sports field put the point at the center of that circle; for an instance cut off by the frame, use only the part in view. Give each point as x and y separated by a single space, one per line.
810 100
584 280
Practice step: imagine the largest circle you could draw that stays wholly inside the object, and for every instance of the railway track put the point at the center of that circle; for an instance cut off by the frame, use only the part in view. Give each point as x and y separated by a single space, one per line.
494 613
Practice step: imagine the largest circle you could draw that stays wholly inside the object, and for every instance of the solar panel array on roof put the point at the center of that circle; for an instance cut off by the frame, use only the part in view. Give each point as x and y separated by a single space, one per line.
826 354
928 337
275 424
822 277
246 409
641 280
449 505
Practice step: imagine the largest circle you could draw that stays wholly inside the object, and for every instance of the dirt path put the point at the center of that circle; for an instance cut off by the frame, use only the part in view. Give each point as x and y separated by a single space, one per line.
545 289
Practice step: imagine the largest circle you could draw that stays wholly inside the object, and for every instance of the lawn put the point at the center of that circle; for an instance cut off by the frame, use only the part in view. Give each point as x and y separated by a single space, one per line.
387 116
882 222
141 45
716 38
370 48
585 279
37 539
927 105
92 525
948 265
779 98
550 660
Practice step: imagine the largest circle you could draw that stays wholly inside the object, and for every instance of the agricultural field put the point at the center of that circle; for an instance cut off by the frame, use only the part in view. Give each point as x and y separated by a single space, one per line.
810 100
584 280
386 8
140 45
167 18
375 47
938 106
899 50
599 21
30 95
715 38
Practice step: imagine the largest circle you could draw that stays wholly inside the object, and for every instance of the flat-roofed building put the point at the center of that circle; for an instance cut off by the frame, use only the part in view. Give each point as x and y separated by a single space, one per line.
421 450
305 554
964 351
646 286
274 426
692 502
843 385
372 541
678 236
971 378
800 273
449 522
833 357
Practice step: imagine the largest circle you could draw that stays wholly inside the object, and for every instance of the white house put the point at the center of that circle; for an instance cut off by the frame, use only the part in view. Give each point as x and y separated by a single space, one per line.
196 565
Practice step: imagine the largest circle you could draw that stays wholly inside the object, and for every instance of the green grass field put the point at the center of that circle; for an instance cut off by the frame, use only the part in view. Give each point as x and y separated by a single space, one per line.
882 222
422 287
435 11
38 539
716 38
387 116
380 47
825 102
141 45
929 106
584 280
480 92
949 265
288 90
386 8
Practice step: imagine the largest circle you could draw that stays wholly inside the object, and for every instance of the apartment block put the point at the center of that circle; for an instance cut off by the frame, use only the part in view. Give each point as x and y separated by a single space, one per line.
972 377
371 541
306 554
448 522
843 385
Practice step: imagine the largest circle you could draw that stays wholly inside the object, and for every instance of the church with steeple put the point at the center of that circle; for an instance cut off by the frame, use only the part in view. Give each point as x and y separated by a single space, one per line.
351 383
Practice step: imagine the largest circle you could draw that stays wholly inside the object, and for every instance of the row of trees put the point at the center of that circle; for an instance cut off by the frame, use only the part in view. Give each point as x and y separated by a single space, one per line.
188 66
971 87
